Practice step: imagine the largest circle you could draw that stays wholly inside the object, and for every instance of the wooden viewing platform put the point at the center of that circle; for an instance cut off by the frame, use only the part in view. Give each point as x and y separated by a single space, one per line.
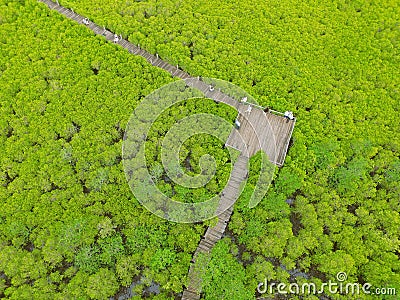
267 131
259 130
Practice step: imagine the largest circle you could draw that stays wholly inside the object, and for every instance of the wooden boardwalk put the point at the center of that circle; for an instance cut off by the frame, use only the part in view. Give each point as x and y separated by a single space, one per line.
214 234
269 131
259 130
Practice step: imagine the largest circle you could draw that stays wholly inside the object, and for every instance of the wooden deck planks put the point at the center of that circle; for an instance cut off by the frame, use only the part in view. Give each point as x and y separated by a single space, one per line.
214 234
258 130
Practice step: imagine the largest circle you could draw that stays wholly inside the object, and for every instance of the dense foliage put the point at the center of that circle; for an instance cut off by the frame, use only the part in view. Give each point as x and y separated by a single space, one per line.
69 225
336 66
191 150
66 228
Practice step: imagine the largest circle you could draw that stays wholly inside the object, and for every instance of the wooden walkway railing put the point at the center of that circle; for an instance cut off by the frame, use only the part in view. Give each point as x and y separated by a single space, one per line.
240 169
152 59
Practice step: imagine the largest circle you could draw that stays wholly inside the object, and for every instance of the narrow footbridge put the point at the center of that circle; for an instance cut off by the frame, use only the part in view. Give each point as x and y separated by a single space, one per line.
260 129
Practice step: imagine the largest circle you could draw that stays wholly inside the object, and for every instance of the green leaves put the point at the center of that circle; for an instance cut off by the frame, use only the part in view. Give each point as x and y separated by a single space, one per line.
161 259
225 277
102 285
339 261
190 155
66 96
87 259
66 211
